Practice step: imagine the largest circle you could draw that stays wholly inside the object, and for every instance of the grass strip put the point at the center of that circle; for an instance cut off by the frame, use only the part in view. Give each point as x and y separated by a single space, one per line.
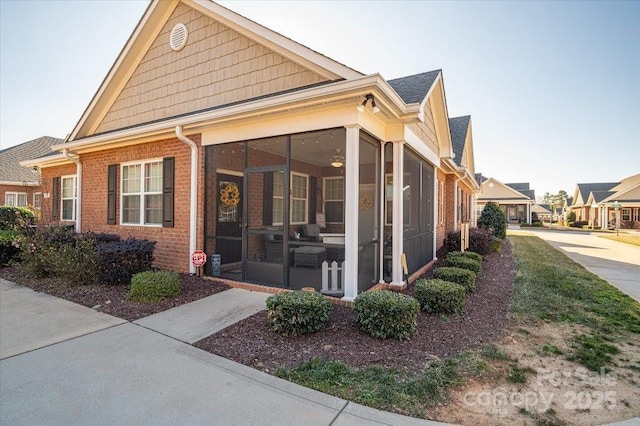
386 388
628 239
552 287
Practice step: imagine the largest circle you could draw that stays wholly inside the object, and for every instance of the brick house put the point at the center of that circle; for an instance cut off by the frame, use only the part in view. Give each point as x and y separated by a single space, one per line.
207 120
596 203
19 185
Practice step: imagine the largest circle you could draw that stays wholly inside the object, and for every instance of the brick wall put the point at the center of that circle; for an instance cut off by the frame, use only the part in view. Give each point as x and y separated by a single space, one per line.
29 190
172 244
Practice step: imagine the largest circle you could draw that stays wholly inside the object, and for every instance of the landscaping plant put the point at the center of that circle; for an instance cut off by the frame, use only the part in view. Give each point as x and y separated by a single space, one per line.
297 312
154 286
468 254
439 296
464 277
464 263
493 219
479 241
386 314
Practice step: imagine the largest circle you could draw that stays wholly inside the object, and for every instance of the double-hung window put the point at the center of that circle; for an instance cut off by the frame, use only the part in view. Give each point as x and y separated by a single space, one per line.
334 199
37 200
299 198
626 214
15 199
142 193
69 197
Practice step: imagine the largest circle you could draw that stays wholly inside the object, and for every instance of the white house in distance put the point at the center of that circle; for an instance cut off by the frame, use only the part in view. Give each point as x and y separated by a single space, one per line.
515 199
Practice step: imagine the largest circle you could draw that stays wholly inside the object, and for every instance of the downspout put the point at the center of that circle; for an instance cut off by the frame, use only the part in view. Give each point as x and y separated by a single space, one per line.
76 159
455 203
193 208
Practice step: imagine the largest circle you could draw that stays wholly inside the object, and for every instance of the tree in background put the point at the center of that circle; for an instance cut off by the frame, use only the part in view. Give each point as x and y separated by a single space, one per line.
493 218
555 200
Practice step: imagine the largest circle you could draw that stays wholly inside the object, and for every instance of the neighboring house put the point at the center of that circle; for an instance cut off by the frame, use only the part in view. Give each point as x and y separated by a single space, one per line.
543 211
19 185
515 199
595 203
212 132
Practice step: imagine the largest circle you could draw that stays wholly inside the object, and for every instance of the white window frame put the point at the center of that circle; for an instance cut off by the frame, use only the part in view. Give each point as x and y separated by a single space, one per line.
37 204
141 193
16 199
440 202
73 198
333 200
626 212
388 184
636 214
292 198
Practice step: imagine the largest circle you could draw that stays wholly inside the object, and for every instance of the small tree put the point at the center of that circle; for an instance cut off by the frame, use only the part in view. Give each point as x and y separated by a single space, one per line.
493 218
570 219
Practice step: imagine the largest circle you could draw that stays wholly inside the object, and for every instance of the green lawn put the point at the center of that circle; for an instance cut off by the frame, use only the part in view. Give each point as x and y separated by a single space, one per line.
629 239
548 286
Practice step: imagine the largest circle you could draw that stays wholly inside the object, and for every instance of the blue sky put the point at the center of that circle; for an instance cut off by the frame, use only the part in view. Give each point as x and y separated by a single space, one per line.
553 88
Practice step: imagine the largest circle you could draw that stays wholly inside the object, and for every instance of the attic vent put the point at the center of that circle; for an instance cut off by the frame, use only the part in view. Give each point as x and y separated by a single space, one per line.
178 37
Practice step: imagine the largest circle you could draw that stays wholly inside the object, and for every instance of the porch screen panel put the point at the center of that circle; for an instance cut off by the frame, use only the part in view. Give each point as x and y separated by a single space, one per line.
418 224
368 212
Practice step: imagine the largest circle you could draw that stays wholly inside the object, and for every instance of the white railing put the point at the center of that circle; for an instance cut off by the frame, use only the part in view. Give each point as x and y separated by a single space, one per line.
332 278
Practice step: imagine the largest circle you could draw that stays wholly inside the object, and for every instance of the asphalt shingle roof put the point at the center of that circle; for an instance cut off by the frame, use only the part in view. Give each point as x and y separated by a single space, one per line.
480 178
523 186
459 127
601 195
413 88
587 188
10 158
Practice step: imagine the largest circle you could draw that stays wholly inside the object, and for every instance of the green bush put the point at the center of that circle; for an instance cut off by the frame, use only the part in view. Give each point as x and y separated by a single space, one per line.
439 296
386 314
154 286
494 219
464 277
16 218
464 263
59 251
496 243
570 219
468 254
297 312
9 249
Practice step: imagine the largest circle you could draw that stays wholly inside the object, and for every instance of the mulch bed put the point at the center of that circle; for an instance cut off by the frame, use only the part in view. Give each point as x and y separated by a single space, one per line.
251 342
110 299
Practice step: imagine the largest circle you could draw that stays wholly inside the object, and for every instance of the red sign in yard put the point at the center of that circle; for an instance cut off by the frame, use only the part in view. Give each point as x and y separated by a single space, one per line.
198 258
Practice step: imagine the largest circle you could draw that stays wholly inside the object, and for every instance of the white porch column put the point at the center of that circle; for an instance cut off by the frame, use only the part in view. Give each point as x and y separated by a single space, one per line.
382 218
351 197
398 213
529 213
436 202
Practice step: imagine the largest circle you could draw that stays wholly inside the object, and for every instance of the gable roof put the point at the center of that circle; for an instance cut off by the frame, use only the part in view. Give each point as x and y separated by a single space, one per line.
489 187
459 126
523 188
584 189
414 88
156 17
10 169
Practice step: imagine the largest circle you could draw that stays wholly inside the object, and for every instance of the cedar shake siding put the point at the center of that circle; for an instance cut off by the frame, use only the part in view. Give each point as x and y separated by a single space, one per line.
216 67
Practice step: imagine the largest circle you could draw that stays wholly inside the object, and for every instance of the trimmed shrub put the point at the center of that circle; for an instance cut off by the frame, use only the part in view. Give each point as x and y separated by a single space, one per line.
464 277
496 243
439 296
493 219
120 260
464 263
579 224
16 218
468 254
103 237
297 312
386 314
9 249
154 286
570 218
479 241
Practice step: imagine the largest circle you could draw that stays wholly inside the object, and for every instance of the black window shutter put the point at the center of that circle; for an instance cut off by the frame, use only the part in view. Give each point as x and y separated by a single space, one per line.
313 198
168 178
55 205
267 199
112 184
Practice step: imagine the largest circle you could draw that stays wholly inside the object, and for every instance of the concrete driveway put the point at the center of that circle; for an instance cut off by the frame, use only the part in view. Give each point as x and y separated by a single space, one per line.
615 262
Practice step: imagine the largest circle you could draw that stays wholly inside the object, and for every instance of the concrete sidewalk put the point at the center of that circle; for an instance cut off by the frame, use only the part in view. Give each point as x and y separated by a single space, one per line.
88 369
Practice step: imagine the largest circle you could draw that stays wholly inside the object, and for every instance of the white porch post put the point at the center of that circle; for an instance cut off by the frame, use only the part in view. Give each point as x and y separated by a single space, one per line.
529 213
352 178
436 202
398 214
382 218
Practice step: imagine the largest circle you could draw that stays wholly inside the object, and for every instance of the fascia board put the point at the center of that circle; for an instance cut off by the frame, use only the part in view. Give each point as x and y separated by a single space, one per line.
49 161
310 59
21 183
612 197
327 93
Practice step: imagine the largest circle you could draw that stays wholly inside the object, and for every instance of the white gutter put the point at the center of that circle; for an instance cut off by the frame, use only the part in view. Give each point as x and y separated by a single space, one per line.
193 208
76 160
